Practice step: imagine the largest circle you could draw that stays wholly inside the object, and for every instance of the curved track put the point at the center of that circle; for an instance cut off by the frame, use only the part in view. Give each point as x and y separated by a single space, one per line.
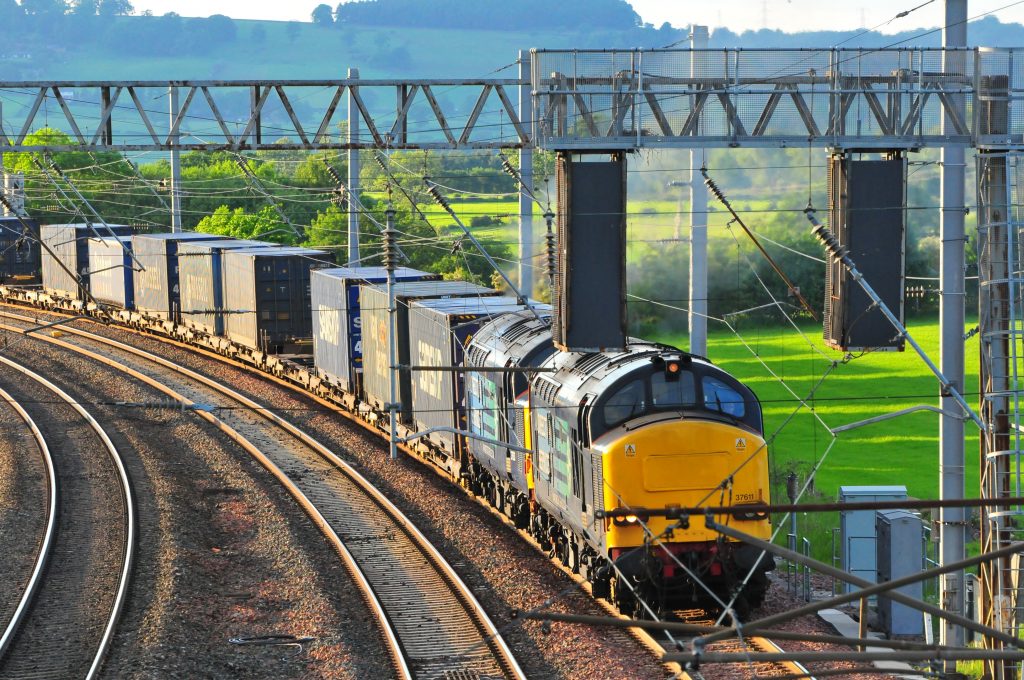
70 607
429 617
15 606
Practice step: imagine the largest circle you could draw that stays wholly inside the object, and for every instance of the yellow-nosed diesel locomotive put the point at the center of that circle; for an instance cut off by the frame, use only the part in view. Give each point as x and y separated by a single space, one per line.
648 427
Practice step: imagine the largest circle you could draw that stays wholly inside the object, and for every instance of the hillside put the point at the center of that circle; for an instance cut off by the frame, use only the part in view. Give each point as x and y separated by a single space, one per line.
69 46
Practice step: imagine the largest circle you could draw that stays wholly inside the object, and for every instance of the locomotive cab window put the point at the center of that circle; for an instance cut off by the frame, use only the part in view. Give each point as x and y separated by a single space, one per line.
678 393
629 401
721 397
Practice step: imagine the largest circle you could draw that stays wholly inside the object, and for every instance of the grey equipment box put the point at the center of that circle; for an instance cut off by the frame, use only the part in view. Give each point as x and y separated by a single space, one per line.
373 302
19 250
900 553
266 295
201 281
857 529
439 331
111 271
156 286
70 245
337 326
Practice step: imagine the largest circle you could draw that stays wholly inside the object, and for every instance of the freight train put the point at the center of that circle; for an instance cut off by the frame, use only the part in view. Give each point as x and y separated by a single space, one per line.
548 438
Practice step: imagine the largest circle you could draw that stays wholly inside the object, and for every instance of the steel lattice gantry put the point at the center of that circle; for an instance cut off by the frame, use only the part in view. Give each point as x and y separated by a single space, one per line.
581 100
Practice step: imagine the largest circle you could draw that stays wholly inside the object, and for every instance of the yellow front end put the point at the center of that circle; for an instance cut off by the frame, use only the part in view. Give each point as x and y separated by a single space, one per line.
683 463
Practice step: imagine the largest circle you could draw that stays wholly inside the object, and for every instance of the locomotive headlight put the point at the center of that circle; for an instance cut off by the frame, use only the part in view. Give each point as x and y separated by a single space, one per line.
627 521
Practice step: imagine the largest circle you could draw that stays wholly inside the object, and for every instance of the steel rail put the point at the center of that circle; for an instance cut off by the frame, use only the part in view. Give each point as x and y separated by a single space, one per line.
489 632
129 508
51 525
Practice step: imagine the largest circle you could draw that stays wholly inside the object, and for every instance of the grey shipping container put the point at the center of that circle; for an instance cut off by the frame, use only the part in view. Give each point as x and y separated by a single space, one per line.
156 286
266 295
439 331
69 244
111 271
200 281
373 302
19 250
337 326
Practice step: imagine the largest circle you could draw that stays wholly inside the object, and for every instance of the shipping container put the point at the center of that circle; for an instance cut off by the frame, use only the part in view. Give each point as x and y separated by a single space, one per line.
19 251
337 326
111 271
266 295
157 291
439 331
200 281
373 302
69 244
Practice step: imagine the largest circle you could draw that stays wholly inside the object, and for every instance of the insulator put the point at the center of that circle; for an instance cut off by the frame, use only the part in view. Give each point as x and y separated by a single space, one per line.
333 173
506 165
436 195
380 162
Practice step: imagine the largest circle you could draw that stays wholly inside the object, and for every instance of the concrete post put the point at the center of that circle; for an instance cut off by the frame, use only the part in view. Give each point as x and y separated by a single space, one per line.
175 163
698 304
526 173
354 186
951 329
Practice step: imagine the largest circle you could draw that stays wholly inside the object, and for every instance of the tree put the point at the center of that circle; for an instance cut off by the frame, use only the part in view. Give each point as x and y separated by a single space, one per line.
44 8
242 225
85 8
115 8
258 35
322 16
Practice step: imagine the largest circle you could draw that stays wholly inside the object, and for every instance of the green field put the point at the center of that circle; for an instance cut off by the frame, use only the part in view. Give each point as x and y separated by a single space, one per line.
899 451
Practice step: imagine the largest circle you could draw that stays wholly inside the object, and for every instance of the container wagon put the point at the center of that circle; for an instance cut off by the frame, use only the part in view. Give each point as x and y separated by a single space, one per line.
374 312
266 297
201 281
111 271
337 326
156 285
19 251
70 246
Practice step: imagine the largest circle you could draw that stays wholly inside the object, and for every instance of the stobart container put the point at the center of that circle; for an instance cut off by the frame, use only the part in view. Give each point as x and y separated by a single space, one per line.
110 271
19 250
69 244
439 331
201 281
337 326
157 291
266 295
373 302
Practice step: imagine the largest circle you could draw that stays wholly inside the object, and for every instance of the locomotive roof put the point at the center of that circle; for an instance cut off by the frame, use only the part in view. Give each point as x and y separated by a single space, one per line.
518 336
578 373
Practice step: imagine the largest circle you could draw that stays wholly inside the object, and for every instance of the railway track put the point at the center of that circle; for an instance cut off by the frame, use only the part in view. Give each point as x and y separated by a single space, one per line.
70 604
26 576
429 618
751 669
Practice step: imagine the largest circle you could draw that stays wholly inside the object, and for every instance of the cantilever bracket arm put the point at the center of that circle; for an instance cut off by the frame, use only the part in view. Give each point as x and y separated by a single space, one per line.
897 414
